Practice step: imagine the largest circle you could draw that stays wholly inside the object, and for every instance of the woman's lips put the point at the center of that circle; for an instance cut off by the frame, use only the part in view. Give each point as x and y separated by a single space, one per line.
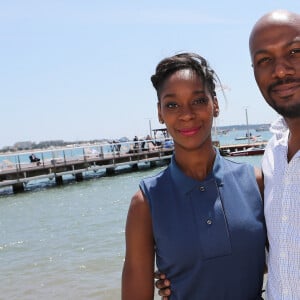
189 131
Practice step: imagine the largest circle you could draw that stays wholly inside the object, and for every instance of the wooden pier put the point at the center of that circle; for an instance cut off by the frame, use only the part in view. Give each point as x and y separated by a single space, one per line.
20 173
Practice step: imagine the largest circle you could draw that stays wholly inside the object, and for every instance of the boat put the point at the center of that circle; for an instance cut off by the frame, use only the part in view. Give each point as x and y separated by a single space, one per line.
262 128
256 150
248 136
251 137
241 138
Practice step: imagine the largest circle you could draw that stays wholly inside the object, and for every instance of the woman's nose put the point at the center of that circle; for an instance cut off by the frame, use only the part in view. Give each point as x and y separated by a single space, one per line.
186 112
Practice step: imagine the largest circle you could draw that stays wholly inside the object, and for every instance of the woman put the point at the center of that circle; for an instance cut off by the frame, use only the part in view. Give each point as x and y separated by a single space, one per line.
201 218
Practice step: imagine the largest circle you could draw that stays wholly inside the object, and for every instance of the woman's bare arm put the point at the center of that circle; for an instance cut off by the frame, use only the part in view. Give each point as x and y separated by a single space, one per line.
137 276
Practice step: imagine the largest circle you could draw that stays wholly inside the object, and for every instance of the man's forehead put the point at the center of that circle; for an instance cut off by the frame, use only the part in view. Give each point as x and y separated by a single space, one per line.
276 21
279 17
276 35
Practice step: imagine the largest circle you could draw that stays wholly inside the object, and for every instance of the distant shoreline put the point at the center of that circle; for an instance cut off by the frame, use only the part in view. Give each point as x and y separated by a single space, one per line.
28 146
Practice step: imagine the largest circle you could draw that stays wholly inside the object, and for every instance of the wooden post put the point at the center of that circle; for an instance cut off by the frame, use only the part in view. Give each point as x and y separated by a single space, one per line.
18 187
59 180
135 167
110 171
152 164
78 177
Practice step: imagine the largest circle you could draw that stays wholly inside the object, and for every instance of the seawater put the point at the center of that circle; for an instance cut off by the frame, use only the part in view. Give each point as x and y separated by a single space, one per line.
67 242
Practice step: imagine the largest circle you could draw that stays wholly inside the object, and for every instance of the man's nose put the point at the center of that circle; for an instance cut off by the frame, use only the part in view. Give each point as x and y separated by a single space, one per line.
283 68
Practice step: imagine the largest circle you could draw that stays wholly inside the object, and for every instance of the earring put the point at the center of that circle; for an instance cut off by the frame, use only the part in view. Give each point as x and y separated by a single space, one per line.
216 113
161 122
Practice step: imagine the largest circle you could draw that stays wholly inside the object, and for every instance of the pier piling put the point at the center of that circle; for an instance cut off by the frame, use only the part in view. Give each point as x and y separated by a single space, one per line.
18 187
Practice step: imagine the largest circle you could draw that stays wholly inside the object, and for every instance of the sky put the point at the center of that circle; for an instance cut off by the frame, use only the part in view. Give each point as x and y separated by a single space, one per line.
80 69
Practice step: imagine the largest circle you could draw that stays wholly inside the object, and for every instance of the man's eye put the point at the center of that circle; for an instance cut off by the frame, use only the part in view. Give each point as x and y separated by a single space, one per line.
263 60
295 52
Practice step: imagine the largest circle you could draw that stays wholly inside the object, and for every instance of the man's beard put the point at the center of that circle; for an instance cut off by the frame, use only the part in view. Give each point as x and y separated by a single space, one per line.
290 112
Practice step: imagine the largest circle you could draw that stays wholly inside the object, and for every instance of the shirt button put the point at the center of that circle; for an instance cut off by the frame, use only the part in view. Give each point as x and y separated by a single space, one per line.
209 222
284 218
202 188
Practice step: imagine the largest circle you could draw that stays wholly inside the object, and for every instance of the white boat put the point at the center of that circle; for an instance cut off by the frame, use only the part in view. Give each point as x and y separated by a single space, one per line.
263 128
251 137
256 150
248 136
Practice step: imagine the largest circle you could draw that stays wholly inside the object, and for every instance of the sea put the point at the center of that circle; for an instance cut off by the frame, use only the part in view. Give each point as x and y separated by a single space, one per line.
67 242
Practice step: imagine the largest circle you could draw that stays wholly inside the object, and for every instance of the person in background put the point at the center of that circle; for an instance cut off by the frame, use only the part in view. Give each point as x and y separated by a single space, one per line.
116 147
275 53
33 158
136 144
201 218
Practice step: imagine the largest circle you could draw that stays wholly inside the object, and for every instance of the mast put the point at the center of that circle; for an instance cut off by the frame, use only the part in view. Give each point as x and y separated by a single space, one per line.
248 134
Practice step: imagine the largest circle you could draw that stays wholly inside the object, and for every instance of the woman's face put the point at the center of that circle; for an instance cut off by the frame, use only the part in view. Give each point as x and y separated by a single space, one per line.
187 109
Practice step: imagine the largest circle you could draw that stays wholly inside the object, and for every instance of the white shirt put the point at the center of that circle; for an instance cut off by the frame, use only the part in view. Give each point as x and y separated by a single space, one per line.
282 213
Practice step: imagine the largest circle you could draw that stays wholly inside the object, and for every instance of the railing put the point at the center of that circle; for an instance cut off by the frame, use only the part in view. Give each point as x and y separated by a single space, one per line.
19 161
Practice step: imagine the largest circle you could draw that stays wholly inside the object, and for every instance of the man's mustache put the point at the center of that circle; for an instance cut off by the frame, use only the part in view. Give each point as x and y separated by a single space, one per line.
282 82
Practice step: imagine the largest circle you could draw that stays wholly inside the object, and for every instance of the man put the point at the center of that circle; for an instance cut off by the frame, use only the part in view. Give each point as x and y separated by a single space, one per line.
275 53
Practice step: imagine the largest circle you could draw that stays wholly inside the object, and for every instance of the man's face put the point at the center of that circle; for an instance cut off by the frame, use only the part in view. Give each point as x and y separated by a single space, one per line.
275 54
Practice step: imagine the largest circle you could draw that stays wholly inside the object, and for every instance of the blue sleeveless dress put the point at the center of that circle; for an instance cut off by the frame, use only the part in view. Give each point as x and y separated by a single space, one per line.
209 235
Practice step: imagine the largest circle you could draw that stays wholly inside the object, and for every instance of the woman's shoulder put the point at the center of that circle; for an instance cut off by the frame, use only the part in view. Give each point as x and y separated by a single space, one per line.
234 165
241 171
138 205
244 172
156 178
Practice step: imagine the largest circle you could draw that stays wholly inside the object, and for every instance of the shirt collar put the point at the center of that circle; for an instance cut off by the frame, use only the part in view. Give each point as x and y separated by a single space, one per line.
187 183
280 139
280 130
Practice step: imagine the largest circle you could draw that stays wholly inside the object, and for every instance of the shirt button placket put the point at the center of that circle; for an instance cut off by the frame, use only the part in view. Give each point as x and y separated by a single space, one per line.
202 189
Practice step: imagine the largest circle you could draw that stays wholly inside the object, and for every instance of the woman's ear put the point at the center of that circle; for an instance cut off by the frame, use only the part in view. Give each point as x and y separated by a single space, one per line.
160 118
216 107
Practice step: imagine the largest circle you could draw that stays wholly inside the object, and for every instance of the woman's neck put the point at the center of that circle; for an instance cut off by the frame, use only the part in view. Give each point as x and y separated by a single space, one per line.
196 164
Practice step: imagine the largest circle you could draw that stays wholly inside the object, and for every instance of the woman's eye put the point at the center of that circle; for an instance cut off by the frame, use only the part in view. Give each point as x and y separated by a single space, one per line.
171 105
200 101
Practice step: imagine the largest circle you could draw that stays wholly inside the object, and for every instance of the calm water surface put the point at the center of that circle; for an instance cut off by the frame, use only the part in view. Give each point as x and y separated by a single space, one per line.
68 242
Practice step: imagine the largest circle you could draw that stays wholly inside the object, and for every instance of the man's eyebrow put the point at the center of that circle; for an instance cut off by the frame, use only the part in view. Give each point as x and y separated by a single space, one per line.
289 44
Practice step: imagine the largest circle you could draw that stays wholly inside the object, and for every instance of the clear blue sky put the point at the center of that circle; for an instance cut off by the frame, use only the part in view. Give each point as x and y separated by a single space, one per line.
79 70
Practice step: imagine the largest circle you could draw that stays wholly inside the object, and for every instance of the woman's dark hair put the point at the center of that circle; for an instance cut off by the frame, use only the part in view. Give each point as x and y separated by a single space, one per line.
191 61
